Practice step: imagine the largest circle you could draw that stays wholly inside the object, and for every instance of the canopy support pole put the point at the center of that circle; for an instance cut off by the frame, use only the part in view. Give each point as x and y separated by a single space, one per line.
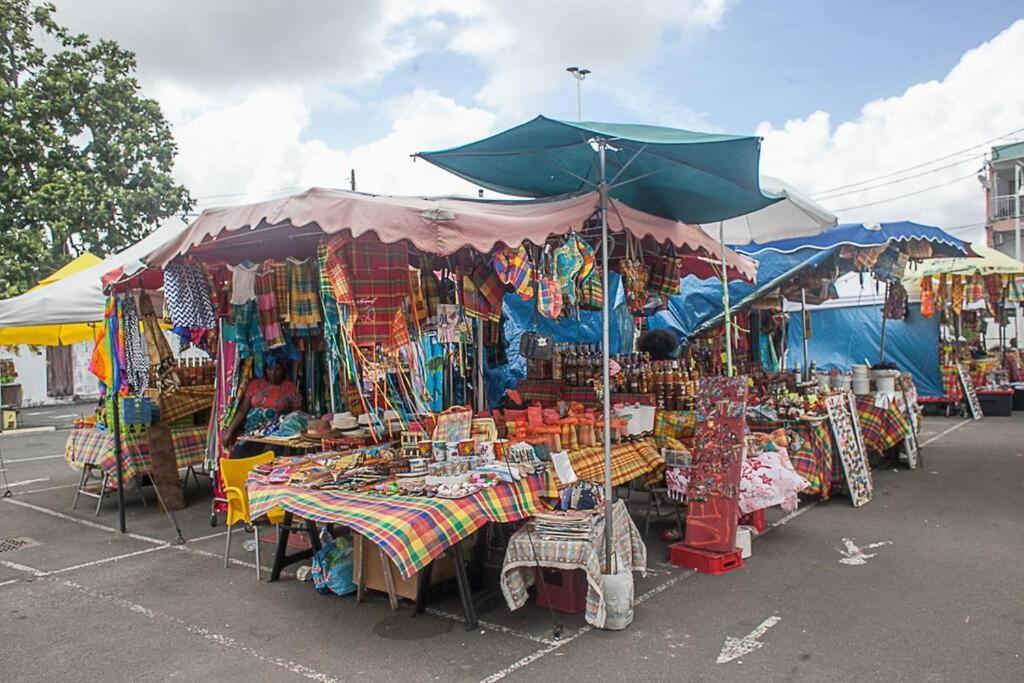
606 398
479 380
785 331
725 302
119 458
881 345
803 313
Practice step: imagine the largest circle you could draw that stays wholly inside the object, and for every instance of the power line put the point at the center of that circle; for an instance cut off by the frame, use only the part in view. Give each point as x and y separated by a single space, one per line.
908 194
892 182
917 166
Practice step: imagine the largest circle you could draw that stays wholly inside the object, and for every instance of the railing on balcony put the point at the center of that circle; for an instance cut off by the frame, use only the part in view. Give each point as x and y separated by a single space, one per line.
1004 206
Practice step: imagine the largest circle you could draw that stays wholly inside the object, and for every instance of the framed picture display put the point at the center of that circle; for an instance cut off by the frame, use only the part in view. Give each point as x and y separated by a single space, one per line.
851 449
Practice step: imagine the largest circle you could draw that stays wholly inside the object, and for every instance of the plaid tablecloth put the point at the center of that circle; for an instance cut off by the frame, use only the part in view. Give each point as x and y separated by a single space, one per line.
524 553
810 451
412 531
96 448
629 461
882 427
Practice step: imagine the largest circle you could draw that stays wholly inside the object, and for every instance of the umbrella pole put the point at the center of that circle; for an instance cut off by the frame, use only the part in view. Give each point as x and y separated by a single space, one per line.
119 459
606 398
479 380
803 313
881 345
725 303
785 331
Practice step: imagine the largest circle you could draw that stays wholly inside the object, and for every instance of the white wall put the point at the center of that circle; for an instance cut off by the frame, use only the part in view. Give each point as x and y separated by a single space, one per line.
31 369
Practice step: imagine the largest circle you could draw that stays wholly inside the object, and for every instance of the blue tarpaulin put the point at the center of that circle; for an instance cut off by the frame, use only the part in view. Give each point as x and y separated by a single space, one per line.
700 304
845 335
520 318
859 235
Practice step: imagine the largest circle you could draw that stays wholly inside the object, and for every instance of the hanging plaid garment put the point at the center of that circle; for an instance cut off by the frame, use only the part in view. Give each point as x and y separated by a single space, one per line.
918 249
664 279
248 335
927 298
160 356
994 289
942 291
513 267
380 285
136 360
489 286
266 304
476 305
977 289
592 291
568 264
431 292
280 271
332 323
399 335
589 258
1013 291
634 276
956 294
336 270
303 302
188 297
417 302
549 293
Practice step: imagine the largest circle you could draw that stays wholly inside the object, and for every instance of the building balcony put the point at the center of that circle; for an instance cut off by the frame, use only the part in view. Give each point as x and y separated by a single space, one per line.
1002 207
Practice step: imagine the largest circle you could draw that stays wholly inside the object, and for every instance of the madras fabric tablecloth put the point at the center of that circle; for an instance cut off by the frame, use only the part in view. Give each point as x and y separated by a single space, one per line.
96 448
629 461
810 451
951 384
883 428
412 531
524 554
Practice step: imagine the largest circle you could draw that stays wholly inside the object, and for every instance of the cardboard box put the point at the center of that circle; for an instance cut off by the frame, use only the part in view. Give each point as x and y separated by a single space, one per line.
368 556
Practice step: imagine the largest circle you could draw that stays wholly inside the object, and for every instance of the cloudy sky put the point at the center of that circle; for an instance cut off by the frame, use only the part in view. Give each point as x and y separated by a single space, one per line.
881 110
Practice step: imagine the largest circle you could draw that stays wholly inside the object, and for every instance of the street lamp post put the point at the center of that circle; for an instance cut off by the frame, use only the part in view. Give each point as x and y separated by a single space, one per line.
579 74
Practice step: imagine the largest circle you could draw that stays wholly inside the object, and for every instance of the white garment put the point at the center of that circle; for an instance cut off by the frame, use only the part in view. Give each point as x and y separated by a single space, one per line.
243 283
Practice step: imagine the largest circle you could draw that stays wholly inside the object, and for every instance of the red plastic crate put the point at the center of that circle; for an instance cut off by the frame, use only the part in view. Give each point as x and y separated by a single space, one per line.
704 561
755 519
564 590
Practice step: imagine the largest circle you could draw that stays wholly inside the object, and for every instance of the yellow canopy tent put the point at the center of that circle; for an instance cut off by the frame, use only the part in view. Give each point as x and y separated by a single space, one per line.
57 334
987 262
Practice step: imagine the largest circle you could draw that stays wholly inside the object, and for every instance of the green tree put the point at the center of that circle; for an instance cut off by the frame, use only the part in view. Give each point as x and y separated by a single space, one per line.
85 159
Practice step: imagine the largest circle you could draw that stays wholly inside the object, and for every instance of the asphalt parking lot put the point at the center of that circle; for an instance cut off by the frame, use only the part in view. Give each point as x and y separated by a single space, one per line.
933 592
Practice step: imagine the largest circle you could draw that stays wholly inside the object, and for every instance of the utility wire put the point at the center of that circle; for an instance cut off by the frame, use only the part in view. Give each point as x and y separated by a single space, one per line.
893 182
917 166
908 194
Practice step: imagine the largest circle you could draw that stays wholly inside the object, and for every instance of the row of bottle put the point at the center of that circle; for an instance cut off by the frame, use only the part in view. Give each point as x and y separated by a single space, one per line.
192 372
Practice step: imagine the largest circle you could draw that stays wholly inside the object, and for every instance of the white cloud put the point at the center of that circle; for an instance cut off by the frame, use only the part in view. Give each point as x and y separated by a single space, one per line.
525 46
979 99
255 146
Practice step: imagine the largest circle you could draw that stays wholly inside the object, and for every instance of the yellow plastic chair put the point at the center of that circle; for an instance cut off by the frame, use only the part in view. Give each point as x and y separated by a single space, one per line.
234 474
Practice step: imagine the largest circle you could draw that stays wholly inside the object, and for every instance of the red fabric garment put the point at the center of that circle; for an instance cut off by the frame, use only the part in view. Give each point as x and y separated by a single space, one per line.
282 397
379 277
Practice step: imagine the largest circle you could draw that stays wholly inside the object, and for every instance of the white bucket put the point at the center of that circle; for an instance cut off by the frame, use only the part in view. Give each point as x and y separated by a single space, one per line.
618 600
861 386
885 380
859 370
744 537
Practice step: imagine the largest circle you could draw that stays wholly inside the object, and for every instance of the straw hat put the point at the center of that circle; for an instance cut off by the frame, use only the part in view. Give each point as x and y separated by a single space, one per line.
319 429
345 422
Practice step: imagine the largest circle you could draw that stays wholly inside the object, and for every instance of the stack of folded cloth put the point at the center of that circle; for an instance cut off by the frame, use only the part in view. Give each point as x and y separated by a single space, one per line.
564 526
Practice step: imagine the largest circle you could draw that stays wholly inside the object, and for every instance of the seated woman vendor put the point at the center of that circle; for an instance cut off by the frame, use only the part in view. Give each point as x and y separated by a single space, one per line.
264 401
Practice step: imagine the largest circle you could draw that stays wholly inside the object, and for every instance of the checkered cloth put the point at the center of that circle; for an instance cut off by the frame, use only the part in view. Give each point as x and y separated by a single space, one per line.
810 451
525 552
477 305
96 448
951 384
674 424
629 461
266 304
412 531
334 268
882 428
184 402
303 298
380 283
280 285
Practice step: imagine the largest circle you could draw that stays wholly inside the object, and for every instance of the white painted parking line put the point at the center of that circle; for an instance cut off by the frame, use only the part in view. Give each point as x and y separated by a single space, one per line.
34 458
25 431
46 488
8 582
943 433
498 628
26 482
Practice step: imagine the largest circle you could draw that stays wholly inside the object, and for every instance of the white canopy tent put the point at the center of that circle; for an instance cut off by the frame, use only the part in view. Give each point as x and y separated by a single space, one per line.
797 215
79 298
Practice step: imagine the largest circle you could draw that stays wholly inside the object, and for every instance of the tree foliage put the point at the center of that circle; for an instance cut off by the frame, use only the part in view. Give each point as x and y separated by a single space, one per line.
85 158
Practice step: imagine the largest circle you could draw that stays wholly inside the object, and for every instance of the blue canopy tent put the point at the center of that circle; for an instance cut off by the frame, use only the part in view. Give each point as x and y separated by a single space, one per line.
844 335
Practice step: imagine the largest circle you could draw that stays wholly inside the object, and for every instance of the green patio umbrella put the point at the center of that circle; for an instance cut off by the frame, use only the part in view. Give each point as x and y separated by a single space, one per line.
683 175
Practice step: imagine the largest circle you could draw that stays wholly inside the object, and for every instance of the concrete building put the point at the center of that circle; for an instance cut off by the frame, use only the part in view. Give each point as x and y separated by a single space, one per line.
1005 172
